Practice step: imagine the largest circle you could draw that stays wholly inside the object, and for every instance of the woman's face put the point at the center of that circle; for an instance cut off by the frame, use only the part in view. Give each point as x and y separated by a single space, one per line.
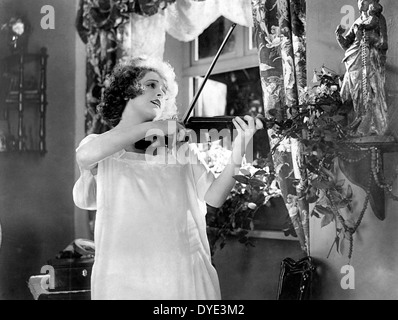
151 102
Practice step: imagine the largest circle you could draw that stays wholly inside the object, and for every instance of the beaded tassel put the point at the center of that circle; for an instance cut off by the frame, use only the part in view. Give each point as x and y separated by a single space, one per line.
364 53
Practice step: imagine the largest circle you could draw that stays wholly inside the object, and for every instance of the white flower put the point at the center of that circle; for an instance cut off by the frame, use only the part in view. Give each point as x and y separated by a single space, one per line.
252 206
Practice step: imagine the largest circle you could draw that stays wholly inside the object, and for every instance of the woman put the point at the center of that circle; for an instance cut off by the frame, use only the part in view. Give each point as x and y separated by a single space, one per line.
365 47
150 232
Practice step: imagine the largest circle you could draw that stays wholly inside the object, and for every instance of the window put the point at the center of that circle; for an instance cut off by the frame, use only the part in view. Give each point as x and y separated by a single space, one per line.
234 86
232 93
238 53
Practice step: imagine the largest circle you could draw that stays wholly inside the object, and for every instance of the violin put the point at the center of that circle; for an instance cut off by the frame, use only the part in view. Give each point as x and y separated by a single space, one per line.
220 123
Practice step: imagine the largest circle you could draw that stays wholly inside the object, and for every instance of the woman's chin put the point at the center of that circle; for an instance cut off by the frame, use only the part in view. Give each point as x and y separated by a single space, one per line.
158 114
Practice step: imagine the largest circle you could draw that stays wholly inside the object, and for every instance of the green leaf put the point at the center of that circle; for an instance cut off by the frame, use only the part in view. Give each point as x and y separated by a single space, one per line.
349 192
323 210
336 196
323 200
279 167
256 183
338 118
342 246
322 184
327 219
327 108
314 213
246 172
337 240
343 204
329 173
311 195
241 179
340 183
311 198
260 173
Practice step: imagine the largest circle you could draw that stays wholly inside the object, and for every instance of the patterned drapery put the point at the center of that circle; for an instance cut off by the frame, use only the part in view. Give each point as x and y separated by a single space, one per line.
100 25
279 31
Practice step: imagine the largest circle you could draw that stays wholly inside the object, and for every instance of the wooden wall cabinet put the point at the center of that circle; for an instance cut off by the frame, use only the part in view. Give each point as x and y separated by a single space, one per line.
23 102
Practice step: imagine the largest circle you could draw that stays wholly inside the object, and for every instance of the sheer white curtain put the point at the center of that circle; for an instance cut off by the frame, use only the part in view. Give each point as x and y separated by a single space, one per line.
183 20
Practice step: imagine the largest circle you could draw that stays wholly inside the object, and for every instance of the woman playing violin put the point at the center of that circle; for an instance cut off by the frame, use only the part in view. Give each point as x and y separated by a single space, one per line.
150 232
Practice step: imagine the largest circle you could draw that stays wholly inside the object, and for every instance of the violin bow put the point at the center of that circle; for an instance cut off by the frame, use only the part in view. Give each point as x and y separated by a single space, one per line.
195 99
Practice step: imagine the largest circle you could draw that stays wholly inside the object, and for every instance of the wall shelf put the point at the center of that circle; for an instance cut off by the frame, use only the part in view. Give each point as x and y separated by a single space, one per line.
358 172
23 103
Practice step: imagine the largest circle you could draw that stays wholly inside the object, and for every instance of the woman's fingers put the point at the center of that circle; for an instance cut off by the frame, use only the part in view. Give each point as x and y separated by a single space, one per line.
248 123
239 123
259 124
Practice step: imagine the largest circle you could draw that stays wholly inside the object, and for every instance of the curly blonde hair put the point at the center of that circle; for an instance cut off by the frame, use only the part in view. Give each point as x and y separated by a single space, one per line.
123 84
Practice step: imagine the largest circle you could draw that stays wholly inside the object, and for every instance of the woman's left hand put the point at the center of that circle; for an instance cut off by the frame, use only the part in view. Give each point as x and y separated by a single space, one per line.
246 129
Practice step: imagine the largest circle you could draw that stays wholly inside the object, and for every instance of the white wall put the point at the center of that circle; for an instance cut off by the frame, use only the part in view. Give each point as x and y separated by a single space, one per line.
36 205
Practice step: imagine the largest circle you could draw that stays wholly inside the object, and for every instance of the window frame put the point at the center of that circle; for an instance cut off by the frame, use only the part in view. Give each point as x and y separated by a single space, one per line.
244 57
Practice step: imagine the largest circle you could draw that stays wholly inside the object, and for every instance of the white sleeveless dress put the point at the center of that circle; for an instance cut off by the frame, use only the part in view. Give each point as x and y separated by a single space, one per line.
150 230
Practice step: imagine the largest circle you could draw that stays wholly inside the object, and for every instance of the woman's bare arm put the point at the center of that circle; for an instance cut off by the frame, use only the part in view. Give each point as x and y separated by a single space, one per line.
222 186
110 142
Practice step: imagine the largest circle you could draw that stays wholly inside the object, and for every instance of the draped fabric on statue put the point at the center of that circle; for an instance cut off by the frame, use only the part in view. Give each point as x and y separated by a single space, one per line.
279 32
